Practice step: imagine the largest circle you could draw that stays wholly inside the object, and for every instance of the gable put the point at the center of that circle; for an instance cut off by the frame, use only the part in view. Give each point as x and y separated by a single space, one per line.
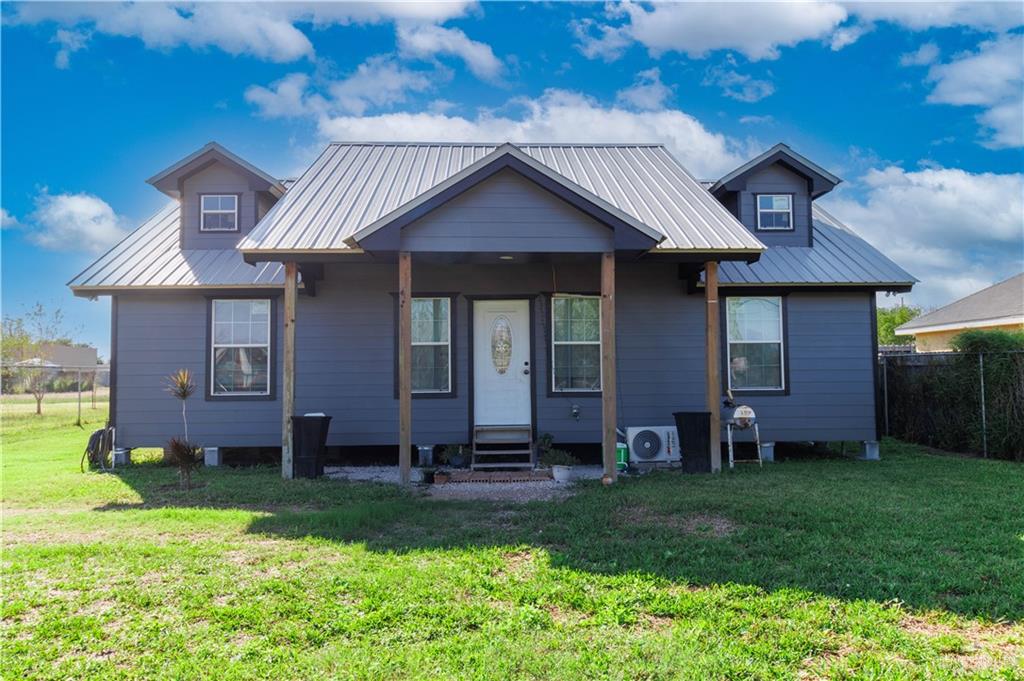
507 212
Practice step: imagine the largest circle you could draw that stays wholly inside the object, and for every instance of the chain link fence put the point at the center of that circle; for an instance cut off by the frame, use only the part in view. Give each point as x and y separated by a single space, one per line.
40 383
968 402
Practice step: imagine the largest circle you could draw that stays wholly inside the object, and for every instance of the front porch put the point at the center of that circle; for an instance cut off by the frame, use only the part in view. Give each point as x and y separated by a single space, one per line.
475 296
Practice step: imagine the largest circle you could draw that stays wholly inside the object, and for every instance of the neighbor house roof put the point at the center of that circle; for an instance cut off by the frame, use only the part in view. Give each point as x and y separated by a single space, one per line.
151 258
997 305
353 189
838 257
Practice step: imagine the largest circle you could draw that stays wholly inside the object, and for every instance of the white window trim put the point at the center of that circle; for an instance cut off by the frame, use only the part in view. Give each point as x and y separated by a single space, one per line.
598 343
757 206
434 343
203 212
214 345
781 343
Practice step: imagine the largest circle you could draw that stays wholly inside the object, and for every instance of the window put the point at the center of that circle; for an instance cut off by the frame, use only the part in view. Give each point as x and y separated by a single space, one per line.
755 353
240 356
219 212
774 211
575 344
431 345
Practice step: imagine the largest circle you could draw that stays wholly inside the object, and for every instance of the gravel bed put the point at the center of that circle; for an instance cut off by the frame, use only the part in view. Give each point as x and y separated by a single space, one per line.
516 492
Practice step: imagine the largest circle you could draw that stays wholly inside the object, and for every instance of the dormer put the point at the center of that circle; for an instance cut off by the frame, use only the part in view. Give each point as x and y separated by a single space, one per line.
772 194
222 196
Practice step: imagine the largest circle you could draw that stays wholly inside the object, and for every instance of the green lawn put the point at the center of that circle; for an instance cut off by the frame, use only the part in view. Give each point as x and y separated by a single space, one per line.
831 568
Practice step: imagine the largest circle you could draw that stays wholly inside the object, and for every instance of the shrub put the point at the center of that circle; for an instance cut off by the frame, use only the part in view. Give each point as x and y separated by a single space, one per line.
936 400
557 457
185 456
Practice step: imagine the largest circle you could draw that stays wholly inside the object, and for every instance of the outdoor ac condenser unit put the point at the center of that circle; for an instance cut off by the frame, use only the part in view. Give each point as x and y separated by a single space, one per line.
652 444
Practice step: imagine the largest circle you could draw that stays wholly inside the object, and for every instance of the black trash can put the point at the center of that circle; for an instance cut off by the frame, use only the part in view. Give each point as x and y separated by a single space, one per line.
309 444
694 430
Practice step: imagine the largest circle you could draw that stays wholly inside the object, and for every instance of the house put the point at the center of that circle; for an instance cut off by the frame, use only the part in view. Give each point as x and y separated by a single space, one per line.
70 356
998 307
434 293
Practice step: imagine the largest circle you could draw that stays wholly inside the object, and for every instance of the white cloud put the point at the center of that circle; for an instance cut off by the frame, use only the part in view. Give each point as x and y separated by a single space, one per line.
70 41
8 221
426 41
379 81
738 86
597 40
756 30
920 16
647 92
759 30
954 230
264 30
74 222
927 54
556 116
285 98
757 120
992 77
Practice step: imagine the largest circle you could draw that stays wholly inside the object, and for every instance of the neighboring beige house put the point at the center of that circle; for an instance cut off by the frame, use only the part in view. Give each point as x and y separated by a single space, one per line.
69 356
1000 306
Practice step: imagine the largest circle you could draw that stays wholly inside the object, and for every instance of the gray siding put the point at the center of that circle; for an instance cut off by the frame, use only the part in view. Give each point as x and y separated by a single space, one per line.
157 335
831 372
775 179
346 358
507 212
216 178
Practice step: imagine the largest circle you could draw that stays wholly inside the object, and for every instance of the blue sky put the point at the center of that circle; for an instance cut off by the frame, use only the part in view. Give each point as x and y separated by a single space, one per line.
918 106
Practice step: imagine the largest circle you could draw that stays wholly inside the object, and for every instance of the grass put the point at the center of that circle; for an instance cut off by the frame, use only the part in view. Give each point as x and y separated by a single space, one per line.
829 568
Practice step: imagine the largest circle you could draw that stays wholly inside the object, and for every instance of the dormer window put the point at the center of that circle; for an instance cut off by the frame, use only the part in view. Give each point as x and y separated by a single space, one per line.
219 213
774 211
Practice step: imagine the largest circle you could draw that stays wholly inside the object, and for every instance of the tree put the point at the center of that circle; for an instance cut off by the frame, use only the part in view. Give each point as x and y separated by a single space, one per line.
26 343
891 317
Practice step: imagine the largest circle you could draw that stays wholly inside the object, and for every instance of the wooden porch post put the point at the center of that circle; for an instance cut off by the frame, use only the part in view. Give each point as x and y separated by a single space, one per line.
608 387
714 380
291 275
404 366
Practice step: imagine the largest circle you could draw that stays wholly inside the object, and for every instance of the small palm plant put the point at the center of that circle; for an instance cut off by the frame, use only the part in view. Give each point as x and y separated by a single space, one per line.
181 386
180 451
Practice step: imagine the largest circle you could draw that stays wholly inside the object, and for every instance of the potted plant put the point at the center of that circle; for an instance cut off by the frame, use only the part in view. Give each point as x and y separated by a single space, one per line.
454 456
560 462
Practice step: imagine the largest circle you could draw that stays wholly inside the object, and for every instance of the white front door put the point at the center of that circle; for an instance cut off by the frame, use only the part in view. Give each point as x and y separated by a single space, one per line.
501 362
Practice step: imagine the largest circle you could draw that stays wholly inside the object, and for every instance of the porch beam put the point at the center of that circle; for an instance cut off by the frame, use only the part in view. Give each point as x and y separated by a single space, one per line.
404 366
714 364
608 386
291 288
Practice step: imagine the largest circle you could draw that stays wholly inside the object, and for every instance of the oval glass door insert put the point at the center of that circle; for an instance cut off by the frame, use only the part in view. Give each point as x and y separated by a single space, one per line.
501 343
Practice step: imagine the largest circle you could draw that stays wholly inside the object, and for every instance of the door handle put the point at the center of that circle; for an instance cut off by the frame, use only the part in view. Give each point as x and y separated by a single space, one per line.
526 372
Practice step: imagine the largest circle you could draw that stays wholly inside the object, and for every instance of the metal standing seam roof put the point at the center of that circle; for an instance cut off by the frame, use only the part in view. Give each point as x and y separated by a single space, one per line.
998 304
838 257
150 258
352 186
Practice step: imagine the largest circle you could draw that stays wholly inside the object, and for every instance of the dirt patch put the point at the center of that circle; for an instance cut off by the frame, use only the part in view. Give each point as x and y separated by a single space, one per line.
815 668
698 524
974 646
518 564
